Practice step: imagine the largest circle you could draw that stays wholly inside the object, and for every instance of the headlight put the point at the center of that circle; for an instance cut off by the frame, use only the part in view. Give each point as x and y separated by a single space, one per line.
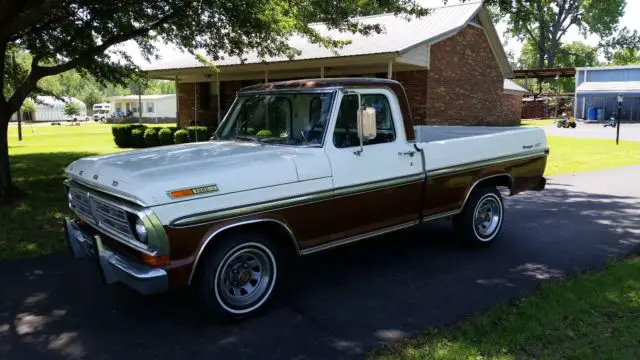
141 231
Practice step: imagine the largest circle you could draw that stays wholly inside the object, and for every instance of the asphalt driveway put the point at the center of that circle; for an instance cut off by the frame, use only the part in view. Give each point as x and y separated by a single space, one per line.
341 303
628 132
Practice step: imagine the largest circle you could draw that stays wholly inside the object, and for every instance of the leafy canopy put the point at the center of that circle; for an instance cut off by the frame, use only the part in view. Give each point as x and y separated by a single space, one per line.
61 35
71 108
544 23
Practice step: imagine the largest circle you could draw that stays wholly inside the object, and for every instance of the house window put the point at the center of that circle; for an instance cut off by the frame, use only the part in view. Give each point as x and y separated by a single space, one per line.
150 107
118 107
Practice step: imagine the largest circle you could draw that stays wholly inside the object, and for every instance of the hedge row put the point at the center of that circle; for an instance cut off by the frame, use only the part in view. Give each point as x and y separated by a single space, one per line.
139 135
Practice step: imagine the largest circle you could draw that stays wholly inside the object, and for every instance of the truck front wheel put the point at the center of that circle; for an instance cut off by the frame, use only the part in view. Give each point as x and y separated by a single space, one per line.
480 221
237 278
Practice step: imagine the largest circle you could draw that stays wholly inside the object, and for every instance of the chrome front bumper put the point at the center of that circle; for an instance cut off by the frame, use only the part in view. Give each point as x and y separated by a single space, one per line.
114 267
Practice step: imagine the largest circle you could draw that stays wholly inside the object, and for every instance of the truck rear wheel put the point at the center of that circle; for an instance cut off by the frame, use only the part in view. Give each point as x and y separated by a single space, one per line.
480 221
237 278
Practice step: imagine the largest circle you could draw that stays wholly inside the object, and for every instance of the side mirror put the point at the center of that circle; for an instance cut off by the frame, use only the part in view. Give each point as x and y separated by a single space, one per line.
367 123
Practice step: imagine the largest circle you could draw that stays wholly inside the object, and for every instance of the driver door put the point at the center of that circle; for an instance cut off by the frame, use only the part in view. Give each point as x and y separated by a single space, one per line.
378 185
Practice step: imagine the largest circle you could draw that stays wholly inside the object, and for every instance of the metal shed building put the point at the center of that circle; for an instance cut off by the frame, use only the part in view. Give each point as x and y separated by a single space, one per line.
597 89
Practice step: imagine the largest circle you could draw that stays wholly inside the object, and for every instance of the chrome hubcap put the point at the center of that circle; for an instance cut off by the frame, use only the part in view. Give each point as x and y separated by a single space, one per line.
244 278
487 217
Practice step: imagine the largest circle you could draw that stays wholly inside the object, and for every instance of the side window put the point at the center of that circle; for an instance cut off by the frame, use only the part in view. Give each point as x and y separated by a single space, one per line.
345 133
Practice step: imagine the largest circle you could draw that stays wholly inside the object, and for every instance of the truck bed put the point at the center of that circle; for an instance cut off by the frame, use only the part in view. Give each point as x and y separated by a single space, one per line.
447 146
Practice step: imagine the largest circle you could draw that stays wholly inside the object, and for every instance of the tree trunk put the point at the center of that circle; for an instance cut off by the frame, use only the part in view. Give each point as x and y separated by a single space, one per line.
5 170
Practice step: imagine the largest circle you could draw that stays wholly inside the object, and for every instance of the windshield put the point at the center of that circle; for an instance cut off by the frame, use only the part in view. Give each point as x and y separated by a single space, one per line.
296 118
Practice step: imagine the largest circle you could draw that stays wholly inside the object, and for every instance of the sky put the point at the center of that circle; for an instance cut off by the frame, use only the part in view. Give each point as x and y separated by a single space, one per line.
630 20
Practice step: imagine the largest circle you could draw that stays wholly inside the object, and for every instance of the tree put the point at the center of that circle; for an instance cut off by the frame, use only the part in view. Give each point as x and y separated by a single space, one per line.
71 109
61 35
625 57
573 54
544 23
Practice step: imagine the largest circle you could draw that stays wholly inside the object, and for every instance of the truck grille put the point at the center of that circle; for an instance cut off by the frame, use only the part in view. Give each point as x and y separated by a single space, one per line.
80 203
106 216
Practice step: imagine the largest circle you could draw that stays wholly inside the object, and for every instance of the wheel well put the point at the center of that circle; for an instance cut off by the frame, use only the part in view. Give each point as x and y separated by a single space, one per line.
503 180
276 231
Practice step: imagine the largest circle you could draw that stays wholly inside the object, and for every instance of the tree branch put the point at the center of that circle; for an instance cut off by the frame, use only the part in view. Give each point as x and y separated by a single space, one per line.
26 19
97 50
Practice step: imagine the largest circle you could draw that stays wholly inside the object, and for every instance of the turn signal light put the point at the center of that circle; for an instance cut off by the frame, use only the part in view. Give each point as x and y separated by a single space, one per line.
155 260
181 193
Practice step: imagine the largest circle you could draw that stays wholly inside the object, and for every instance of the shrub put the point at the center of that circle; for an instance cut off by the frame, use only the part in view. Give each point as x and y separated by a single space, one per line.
201 133
151 137
137 137
181 137
122 134
264 133
165 136
251 131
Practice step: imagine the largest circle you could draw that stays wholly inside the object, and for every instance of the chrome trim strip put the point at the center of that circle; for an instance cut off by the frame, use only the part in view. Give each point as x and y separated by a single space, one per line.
478 164
441 215
196 219
357 238
212 235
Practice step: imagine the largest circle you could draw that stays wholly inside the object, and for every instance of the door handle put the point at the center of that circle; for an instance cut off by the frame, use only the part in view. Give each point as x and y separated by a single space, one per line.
407 153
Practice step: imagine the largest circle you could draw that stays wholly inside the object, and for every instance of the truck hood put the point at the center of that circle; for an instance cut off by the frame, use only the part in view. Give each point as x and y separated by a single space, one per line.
147 176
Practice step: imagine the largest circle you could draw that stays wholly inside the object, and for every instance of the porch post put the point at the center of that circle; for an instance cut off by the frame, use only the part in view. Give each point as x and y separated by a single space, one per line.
266 76
195 105
218 90
584 104
177 103
321 71
390 70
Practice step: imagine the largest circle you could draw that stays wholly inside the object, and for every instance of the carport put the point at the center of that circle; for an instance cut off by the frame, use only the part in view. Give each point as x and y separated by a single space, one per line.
598 100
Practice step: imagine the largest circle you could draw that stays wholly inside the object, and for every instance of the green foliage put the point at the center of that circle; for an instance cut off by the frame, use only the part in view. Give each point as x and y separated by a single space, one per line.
264 133
545 23
199 133
71 108
151 137
137 137
574 54
122 134
626 57
165 136
28 106
251 131
181 136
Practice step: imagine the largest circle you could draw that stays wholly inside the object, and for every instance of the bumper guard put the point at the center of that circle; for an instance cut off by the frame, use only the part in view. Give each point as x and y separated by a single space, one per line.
113 267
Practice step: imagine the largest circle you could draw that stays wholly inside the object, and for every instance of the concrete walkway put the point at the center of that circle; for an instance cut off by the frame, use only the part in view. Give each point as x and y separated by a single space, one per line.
343 302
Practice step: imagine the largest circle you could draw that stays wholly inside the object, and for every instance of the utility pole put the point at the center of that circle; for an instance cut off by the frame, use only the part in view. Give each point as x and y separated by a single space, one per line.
618 121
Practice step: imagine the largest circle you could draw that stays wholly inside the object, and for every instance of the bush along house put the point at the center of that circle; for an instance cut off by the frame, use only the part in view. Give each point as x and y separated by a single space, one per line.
451 63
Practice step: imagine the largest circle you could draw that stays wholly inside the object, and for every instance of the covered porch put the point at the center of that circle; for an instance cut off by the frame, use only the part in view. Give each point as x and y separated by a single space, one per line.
204 94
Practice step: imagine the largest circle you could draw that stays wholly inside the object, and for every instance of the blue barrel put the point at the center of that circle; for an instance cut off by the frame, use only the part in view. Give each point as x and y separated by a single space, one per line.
592 113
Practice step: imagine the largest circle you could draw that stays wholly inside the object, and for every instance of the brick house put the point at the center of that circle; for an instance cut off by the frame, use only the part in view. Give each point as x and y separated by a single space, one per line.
451 63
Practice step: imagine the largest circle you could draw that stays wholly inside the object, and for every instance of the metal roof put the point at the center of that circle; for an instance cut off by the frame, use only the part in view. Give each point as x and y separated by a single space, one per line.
143 97
399 34
618 67
608 87
512 87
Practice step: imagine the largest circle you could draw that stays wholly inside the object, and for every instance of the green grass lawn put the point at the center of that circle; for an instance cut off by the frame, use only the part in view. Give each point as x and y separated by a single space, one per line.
571 155
592 316
32 227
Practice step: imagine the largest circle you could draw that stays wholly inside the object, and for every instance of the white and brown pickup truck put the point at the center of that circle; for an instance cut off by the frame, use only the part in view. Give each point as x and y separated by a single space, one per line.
294 168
